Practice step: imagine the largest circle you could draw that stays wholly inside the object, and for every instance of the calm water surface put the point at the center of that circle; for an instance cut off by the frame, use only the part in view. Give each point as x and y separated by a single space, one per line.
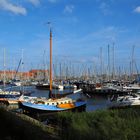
94 103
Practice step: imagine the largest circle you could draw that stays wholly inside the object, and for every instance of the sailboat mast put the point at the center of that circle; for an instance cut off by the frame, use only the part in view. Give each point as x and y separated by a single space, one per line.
50 62
108 62
113 59
132 63
4 65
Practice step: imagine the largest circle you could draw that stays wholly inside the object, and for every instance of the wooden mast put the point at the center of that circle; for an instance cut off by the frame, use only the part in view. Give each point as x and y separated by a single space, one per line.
50 95
4 65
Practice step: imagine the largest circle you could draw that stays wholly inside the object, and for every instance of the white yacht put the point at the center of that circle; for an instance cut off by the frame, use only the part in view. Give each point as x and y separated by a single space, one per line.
126 100
132 87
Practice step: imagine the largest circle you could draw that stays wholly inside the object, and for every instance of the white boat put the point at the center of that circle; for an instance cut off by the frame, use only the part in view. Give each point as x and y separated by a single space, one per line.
34 83
9 94
16 83
132 87
9 97
46 86
125 101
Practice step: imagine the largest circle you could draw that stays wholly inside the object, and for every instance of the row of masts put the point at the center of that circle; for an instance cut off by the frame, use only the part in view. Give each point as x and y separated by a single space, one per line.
87 71
110 68
68 70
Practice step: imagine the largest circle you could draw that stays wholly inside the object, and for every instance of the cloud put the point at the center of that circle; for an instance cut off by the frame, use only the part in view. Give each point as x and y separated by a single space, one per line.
6 5
69 8
105 8
34 2
137 9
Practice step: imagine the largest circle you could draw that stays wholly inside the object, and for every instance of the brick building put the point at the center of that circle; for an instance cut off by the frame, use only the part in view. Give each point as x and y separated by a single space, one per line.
34 74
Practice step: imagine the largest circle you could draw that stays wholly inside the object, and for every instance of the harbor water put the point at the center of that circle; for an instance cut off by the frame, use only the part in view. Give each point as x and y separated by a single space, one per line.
95 102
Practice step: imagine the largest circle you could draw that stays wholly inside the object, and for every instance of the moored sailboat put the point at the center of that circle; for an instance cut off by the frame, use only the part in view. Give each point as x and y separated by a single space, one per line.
44 105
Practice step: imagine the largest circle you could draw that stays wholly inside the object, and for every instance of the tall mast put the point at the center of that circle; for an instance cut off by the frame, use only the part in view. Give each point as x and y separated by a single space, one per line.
101 63
50 62
132 63
4 65
109 62
113 68
60 73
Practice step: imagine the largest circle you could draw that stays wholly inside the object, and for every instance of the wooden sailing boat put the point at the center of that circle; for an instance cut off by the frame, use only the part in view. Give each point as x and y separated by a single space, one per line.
43 105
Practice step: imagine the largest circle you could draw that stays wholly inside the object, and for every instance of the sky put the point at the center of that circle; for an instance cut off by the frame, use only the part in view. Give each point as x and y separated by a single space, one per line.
80 28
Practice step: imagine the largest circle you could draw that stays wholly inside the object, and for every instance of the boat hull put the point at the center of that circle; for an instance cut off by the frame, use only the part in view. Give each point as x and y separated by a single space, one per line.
45 87
8 96
124 107
42 109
